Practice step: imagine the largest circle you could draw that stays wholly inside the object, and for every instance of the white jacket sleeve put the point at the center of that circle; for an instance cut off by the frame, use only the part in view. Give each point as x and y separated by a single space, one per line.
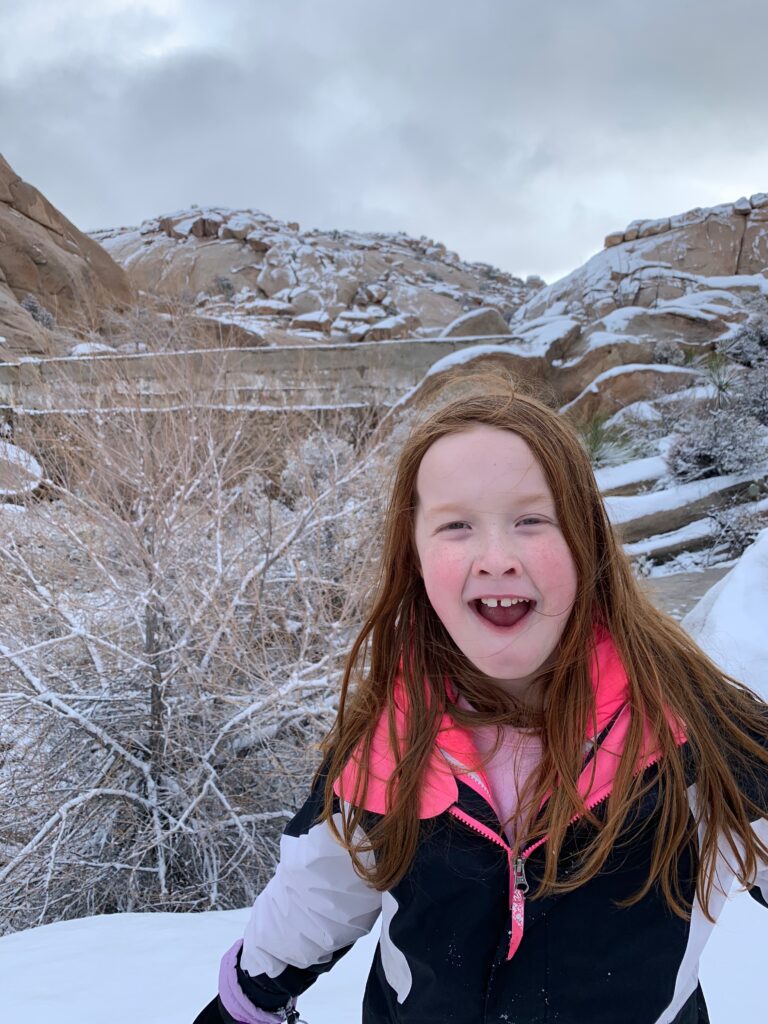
314 906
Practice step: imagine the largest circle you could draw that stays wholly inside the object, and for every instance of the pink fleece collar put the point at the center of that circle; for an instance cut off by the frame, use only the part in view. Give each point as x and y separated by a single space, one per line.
455 745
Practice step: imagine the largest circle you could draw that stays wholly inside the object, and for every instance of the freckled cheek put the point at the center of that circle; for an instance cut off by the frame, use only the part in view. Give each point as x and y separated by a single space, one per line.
444 576
557 571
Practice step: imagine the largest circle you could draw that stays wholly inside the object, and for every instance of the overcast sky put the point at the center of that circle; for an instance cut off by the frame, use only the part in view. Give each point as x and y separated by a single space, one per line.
518 133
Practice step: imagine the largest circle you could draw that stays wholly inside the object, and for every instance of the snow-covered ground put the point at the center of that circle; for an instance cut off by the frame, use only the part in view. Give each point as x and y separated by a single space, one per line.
162 968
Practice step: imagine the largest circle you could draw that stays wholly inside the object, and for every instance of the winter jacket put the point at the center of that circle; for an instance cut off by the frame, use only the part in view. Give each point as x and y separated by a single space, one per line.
460 942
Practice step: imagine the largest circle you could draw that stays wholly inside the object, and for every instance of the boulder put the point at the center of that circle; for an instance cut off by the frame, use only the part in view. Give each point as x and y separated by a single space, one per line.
275 277
315 321
653 227
754 250
709 247
392 327
616 388
20 335
570 380
305 300
483 322
238 226
257 241
43 256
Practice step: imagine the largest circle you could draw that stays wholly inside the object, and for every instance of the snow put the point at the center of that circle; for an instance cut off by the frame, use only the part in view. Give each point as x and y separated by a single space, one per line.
91 348
648 411
624 509
152 968
540 334
698 530
729 621
162 969
30 471
466 355
634 472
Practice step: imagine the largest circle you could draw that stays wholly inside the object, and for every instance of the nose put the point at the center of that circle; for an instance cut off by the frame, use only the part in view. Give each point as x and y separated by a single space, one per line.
497 557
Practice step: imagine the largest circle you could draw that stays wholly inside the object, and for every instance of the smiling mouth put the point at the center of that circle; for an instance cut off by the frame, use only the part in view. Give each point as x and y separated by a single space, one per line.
500 616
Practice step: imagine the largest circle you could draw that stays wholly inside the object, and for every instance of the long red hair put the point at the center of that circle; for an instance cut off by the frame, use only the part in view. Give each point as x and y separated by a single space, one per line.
669 678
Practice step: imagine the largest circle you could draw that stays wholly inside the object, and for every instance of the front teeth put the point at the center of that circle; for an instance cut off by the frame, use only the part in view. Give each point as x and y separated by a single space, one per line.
505 602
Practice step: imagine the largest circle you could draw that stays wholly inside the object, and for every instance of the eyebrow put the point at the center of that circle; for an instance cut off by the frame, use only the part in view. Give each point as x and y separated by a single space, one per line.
450 507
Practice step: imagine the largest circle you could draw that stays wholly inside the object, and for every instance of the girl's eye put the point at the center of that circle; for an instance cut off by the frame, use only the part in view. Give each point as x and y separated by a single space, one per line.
458 525
532 521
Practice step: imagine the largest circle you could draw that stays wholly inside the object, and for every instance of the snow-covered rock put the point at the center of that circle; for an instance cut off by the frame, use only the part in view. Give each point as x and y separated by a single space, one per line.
484 321
667 258
91 348
195 250
20 472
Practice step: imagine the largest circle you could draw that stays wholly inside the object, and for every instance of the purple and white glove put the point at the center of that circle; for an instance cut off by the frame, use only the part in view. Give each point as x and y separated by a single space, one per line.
235 1001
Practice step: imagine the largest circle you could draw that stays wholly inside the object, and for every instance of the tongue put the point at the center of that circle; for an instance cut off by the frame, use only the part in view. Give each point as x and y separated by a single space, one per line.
503 616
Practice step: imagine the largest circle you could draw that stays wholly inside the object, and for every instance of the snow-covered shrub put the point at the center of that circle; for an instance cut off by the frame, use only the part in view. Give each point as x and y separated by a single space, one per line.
225 286
669 352
173 326
722 441
171 639
753 397
318 462
642 566
737 527
750 345
37 311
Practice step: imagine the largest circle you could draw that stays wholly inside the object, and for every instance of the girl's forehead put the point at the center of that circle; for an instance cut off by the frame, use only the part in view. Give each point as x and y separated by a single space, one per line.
481 459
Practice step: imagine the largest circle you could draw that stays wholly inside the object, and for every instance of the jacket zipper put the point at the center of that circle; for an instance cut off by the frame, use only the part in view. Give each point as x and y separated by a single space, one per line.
518 883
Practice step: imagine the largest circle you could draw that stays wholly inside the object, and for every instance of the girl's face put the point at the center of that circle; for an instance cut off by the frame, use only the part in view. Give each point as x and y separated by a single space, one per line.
495 565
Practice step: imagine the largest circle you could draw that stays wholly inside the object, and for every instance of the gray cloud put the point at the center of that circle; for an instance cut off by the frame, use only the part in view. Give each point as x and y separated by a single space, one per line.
518 134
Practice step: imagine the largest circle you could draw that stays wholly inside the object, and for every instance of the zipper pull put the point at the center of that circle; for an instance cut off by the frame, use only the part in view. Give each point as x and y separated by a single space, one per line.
517 906
521 882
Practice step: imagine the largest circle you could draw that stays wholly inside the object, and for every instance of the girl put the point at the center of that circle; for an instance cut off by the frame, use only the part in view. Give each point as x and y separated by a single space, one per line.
538 781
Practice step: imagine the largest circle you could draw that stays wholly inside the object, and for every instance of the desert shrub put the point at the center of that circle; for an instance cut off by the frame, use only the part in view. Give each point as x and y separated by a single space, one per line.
737 527
642 566
749 347
37 311
669 352
225 286
725 377
753 397
720 442
172 630
605 443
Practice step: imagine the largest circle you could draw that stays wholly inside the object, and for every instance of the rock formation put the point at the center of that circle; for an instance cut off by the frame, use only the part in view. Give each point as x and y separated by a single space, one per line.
51 274
636 321
287 285
658 260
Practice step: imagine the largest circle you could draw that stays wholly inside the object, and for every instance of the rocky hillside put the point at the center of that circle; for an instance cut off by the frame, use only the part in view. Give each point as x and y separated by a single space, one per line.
668 322
51 274
281 284
636 320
